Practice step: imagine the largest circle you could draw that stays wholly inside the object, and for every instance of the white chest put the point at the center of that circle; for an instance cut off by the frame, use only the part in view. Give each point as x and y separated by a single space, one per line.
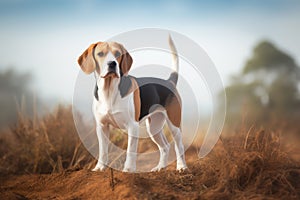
118 111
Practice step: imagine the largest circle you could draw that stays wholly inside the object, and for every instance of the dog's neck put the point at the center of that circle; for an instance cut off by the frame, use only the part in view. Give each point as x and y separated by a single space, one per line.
107 89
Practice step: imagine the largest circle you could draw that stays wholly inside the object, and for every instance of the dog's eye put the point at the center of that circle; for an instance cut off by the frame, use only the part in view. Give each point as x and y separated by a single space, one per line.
117 54
100 54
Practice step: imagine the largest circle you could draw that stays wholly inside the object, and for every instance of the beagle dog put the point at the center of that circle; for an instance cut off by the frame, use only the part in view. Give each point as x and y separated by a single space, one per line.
123 101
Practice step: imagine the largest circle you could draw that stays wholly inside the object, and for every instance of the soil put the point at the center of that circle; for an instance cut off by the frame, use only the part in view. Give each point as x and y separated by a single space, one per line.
85 184
199 182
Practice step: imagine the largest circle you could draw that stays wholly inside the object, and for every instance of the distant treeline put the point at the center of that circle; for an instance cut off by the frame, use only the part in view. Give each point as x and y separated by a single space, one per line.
16 95
266 89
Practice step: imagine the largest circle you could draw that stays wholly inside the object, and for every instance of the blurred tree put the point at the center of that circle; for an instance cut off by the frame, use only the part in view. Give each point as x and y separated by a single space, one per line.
15 95
267 57
266 88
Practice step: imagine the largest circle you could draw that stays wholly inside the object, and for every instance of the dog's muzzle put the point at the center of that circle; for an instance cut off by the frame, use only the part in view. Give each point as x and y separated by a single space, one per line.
111 72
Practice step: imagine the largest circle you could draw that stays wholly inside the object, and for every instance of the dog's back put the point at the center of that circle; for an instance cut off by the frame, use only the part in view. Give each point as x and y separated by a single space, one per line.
154 92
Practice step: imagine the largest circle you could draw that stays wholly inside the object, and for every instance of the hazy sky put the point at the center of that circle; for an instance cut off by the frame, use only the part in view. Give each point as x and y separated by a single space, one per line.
46 37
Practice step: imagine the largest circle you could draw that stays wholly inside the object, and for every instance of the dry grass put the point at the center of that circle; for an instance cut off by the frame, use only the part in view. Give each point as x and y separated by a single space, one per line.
46 145
253 164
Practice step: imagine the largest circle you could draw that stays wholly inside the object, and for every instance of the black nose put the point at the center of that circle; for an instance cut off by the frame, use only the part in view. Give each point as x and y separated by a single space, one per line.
112 65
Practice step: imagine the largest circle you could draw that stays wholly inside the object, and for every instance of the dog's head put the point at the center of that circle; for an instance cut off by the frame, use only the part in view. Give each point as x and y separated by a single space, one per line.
108 59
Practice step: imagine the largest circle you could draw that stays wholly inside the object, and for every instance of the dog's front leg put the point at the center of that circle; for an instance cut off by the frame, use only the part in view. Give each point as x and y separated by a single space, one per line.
131 154
102 134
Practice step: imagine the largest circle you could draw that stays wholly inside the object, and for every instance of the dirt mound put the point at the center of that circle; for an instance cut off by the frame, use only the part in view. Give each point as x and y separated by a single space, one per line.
46 160
226 173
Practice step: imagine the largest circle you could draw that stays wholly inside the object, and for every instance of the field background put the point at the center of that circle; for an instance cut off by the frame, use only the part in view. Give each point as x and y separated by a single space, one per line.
44 159
255 47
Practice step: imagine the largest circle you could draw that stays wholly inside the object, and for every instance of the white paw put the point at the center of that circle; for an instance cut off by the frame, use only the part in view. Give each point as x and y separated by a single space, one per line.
130 164
181 166
183 169
99 167
158 168
129 169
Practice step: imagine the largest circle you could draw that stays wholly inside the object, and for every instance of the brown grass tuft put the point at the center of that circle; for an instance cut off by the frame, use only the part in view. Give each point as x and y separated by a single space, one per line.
46 145
250 166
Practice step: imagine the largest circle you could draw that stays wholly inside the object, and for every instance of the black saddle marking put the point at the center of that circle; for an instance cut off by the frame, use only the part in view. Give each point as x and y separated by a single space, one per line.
153 91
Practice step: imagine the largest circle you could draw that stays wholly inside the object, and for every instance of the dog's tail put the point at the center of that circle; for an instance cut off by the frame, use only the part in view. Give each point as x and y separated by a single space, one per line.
174 75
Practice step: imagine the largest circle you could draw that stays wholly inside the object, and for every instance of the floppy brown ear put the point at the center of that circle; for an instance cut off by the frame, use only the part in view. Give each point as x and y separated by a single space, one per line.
86 60
126 62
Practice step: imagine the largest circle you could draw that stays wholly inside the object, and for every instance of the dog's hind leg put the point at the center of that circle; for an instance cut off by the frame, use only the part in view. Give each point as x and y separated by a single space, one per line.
174 121
155 125
179 148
